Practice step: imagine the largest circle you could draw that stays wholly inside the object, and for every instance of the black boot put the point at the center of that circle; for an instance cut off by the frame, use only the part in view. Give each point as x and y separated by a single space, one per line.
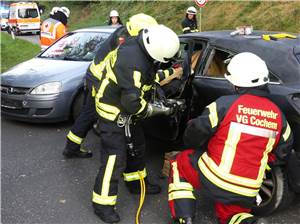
134 187
73 150
107 213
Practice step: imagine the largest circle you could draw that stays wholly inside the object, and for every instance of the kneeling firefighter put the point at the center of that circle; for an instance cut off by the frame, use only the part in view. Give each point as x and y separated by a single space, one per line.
127 75
234 140
88 116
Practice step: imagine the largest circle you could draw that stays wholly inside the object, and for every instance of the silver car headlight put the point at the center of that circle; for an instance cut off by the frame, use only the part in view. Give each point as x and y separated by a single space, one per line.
47 88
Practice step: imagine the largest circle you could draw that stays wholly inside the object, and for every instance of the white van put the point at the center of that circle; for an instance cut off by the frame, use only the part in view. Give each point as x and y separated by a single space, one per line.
24 17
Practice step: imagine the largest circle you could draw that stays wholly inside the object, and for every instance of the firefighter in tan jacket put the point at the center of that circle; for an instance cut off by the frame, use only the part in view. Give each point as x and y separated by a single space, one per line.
55 27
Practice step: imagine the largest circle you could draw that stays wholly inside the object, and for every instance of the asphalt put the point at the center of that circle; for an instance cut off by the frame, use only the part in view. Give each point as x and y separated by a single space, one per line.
39 186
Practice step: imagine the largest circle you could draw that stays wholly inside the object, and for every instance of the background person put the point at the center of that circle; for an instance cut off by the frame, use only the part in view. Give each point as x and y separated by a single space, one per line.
114 18
55 27
234 140
189 24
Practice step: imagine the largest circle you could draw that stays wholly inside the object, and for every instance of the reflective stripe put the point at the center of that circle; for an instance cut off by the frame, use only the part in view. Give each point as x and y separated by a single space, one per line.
229 150
180 186
108 116
181 195
93 91
97 70
146 88
213 115
229 186
107 175
134 175
157 78
253 183
252 130
186 28
236 219
287 132
103 85
137 79
265 158
74 138
176 179
195 30
108 108
110 74
166 73
143 105
104 200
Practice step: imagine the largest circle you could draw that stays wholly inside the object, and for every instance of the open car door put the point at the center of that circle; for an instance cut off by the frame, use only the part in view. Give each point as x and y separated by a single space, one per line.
168 128
209 82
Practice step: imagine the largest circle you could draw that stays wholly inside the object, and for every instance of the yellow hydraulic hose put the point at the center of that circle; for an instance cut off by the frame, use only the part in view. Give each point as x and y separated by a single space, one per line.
142 197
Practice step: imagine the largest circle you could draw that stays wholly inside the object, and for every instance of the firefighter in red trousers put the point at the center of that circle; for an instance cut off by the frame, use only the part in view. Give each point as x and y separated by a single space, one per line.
233 141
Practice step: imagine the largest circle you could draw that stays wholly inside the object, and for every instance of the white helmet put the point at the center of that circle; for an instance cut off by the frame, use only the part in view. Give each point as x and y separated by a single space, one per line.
247 70
191 10
113 13
160 42
54 10
65 11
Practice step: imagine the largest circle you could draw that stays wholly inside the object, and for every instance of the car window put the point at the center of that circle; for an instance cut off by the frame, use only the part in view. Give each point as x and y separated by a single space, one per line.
4 15
27 13
80 46
216 66
273 78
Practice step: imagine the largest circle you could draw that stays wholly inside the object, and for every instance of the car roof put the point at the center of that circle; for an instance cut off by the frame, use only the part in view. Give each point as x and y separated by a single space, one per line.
104 29
279 55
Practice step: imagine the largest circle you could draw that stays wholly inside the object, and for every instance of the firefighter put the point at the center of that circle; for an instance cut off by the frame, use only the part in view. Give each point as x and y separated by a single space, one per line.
127 75
114 18
233 141
189 24
88 116
55 27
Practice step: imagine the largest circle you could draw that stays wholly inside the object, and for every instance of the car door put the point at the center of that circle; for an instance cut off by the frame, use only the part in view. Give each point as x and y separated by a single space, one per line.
209 82
168 128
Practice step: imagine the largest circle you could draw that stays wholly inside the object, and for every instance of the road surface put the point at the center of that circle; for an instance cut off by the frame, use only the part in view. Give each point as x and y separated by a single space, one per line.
40 186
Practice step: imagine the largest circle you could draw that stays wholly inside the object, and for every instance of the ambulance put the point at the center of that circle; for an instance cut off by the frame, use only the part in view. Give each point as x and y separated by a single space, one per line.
24 17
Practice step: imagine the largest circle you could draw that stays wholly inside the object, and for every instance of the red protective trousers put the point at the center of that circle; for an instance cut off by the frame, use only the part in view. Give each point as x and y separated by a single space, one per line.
184 178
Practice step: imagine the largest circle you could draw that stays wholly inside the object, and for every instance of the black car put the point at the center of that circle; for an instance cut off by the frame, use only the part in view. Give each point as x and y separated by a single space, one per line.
206 82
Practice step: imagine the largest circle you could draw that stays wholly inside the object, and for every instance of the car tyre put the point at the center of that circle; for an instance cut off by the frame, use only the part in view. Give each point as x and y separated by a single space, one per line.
275 192
77 105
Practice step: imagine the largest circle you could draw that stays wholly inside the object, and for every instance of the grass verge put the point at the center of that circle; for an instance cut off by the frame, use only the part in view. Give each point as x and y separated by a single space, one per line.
15 51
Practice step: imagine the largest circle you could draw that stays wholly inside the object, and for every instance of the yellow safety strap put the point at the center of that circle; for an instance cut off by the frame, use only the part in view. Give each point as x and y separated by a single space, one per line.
104 200
142 197
135 175
278 36
236 219
74 138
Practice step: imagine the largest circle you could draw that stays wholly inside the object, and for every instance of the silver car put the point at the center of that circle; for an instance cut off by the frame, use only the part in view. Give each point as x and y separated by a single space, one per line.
49 87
